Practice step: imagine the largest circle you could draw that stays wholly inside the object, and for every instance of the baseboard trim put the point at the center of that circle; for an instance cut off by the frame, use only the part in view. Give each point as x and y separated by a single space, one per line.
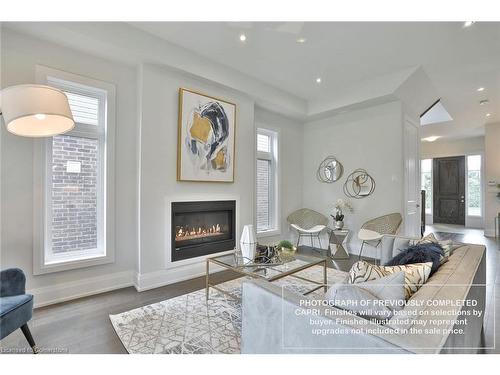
157 279
50 295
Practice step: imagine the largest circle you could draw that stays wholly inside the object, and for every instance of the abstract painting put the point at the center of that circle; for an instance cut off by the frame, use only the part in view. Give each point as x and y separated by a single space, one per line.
206 138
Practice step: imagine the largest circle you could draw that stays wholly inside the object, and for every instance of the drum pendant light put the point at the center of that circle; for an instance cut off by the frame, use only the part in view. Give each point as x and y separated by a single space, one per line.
36 110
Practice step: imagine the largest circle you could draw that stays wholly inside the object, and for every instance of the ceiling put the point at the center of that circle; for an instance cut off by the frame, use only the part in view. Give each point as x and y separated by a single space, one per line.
458 60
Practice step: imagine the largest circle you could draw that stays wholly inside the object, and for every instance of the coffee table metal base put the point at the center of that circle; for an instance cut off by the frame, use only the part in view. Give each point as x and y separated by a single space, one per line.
320 284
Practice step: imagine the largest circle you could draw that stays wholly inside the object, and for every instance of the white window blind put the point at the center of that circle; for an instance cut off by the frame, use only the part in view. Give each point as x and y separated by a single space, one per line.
85 109
266 181
263 143
263 194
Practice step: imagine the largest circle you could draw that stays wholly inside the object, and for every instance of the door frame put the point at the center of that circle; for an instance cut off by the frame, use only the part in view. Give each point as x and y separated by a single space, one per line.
411 196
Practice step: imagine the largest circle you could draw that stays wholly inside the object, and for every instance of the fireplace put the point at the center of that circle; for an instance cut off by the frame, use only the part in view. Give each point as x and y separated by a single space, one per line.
202 228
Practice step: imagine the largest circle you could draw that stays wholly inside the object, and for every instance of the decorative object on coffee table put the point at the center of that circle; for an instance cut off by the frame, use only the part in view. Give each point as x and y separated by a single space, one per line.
359 184
338 218
337 238
329 170
286 247
248 243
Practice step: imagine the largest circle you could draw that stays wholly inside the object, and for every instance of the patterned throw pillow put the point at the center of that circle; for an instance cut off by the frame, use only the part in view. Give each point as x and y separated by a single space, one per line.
372 299
415 274
448 246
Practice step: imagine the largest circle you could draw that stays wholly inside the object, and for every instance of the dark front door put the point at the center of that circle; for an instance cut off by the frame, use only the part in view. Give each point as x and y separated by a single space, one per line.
449 190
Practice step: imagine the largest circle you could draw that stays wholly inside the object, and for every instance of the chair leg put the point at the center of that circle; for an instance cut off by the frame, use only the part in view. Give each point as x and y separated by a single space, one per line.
298 241
312 241
29 338
319 241
361 250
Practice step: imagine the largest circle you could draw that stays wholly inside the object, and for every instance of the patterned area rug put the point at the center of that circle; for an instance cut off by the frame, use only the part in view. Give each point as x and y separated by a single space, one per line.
187 325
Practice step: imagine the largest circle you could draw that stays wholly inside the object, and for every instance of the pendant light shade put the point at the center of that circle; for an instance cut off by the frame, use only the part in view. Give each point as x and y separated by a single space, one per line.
36 111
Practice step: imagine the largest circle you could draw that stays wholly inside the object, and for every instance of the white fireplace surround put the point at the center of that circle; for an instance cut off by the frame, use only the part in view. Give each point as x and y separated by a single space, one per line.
187 268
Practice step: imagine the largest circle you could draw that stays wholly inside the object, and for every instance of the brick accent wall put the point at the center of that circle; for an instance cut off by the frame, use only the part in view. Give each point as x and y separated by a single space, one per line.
74 193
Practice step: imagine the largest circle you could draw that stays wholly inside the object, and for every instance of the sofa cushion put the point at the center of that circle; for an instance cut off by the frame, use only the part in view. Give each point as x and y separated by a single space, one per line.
365 299
415 274
15 311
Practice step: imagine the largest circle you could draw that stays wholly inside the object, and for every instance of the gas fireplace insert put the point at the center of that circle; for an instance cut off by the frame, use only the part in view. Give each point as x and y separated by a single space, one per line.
202 228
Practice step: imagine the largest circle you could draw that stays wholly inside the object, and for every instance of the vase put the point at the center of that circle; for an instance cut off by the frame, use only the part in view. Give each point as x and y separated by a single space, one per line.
339 224
248 251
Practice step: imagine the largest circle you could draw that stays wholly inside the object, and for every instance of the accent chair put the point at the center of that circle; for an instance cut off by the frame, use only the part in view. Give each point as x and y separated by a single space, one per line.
16 307
308 223
373 230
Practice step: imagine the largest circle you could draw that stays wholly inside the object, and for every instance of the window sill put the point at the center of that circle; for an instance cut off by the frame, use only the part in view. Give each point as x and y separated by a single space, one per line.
65 265
268 233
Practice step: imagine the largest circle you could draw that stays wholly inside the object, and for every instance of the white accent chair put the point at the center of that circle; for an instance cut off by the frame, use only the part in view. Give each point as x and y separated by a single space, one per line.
373 230
308 223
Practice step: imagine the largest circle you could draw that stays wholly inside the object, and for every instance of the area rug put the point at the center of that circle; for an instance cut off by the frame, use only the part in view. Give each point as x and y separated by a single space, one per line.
188 325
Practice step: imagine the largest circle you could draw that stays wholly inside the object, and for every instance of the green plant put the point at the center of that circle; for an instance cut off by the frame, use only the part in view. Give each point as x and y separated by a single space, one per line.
285 244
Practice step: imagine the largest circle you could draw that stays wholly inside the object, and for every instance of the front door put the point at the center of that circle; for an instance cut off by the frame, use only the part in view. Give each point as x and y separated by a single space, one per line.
449 190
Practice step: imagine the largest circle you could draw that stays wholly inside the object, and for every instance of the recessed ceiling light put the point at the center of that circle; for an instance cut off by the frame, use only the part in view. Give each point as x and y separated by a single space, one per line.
480 89
483 102
243 37
488 114
318 80
469 23
431 139
301 40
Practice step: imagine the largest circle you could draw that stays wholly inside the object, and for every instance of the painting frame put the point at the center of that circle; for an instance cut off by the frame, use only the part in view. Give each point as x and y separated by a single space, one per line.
182 146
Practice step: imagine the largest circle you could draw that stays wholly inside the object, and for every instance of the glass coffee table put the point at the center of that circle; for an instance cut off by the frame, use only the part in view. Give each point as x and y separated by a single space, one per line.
270 272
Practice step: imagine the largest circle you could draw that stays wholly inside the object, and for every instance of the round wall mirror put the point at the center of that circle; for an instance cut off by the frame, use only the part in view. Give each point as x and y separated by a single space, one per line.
329 170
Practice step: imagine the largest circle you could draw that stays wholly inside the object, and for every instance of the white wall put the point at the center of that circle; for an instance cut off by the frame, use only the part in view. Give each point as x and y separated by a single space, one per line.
492 161
20 55
159 92
146 144
456 147
370 138
453 147
290 135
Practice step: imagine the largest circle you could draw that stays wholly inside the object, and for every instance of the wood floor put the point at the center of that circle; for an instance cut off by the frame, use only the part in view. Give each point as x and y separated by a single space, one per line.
83 326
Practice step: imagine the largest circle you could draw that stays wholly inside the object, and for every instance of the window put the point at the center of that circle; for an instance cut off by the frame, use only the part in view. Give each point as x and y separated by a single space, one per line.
426 183
75 225
474 197
267 178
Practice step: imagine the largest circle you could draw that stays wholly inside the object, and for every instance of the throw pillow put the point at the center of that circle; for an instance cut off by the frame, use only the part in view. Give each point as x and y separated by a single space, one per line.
415 274
422 253
376 299
448 245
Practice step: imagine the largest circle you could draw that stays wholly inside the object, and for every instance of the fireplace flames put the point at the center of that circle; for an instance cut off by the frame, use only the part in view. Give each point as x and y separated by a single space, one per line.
184 233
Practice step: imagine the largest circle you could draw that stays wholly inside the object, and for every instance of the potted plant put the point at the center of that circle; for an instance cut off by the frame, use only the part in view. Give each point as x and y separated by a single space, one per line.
341 205
286 247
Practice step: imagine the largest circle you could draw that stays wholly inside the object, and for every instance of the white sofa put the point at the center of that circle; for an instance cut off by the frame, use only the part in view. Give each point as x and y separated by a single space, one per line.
271 324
